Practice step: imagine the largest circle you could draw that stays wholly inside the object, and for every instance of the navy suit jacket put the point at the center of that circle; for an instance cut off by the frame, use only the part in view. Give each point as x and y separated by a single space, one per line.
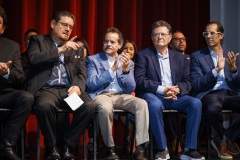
42 55
10 51
99 77
148 74
203 80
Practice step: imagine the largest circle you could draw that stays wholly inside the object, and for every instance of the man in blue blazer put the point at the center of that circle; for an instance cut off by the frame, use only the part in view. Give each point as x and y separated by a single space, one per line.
162 79
110 83
216 80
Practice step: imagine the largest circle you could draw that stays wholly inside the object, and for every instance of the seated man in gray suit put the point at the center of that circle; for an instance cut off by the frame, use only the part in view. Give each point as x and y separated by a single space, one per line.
110 83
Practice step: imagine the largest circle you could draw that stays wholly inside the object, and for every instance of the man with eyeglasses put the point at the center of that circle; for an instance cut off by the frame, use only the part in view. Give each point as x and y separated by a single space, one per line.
58 71
178 43
216 80
163 80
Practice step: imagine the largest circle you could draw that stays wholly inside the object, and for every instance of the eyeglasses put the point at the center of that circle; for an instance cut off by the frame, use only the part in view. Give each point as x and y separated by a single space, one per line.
212 34
156 35
65 25
180 39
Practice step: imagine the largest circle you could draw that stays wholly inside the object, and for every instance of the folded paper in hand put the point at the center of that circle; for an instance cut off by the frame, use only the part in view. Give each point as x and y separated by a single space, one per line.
74 101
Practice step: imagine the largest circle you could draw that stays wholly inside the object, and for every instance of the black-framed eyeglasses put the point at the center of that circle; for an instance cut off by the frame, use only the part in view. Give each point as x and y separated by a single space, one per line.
65 25
156 35
180 39
212 34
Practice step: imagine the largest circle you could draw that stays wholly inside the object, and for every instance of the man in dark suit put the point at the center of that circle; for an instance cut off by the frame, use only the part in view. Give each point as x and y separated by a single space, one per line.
216 79
20 102
162 79
57 70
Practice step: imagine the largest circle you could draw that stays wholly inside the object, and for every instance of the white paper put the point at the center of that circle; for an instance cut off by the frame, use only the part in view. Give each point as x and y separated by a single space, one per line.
74 101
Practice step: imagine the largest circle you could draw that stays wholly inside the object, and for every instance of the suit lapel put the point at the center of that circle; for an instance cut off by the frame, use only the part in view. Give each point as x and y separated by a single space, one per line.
208 58
172 61
103 60
156 64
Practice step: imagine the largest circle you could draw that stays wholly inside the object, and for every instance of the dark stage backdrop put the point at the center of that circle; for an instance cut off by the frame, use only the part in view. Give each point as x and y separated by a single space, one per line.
133 17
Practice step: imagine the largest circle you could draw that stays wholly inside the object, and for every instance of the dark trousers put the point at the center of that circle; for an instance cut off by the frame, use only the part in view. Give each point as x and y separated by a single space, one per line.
20 102
213 103
47 101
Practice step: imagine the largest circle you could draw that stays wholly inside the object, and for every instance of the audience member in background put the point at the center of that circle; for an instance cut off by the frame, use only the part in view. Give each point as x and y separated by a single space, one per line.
163 80
110 84
27 35
25 65
178 43
11 97
57 71
215 76
83 43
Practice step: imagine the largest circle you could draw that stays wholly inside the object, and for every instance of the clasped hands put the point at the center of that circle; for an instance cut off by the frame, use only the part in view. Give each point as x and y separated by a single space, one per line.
4 67
231 59
171 92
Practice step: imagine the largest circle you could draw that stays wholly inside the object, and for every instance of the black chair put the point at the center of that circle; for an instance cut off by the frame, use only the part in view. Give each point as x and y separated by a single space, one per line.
178 132
209 133
76 154
121 112
8 111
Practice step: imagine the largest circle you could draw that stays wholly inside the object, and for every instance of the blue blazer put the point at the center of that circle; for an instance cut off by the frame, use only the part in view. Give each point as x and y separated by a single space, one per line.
201 72
148 74
99 77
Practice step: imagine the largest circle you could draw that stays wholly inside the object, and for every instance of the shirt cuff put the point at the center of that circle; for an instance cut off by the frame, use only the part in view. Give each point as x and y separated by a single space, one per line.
160 90
7 75
214 72
113 74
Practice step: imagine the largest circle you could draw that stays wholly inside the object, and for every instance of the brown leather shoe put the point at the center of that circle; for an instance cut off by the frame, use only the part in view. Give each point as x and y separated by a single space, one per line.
221 149
141 155
232 147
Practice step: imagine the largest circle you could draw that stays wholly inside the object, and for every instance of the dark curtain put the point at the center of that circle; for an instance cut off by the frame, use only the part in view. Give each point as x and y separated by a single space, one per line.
133 17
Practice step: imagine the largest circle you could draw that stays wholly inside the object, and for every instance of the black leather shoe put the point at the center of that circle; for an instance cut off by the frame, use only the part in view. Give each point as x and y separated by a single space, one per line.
52 153
7 152
141 155
110 153
67 153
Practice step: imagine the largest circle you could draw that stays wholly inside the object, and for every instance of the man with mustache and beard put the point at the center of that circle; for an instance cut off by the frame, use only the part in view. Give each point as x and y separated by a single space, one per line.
216 81
110 84
57 70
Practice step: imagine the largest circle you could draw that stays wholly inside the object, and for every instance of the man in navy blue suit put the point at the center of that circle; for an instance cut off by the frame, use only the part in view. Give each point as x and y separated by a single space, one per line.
162 79
216 80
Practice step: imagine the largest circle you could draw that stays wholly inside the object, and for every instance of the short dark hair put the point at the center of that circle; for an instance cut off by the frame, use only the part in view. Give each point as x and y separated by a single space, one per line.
219 26
115 30
57 15
29 31
3 14
162 23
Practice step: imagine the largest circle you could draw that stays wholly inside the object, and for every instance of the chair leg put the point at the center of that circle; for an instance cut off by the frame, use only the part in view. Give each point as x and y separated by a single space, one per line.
151 143
125 136
84 146
208 140
132 139
95 137
22 144
178 134
38 142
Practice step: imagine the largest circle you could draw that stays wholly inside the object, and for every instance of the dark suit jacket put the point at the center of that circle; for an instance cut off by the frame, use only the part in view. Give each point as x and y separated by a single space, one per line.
10 51
42 54
148 75
201 73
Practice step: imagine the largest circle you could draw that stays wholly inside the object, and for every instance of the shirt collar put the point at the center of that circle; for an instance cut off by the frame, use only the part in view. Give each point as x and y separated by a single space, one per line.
163 57
110 58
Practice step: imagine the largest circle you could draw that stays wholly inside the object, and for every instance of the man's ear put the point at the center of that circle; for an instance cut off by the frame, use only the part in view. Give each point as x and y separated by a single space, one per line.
53 23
